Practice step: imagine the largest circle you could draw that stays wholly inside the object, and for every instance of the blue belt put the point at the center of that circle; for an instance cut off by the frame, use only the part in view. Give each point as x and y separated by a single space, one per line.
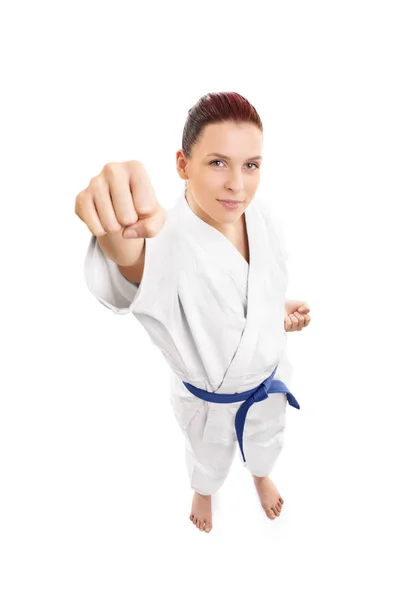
257 394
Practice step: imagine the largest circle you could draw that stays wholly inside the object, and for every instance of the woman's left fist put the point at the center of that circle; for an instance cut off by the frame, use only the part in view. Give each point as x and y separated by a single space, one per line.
296 315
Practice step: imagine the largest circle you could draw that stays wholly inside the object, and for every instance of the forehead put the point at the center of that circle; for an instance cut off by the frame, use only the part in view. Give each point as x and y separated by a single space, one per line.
232 139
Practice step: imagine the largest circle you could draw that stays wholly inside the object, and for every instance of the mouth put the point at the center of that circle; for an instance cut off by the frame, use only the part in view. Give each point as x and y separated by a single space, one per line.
228 201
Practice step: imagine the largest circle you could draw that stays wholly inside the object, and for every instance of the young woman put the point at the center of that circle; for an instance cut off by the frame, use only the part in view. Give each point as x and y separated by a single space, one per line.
207 279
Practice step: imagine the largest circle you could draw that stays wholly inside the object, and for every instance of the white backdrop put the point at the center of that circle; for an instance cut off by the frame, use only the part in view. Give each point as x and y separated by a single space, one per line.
94 498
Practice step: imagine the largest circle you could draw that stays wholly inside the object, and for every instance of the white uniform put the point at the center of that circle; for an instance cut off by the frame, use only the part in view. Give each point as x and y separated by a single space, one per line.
219 323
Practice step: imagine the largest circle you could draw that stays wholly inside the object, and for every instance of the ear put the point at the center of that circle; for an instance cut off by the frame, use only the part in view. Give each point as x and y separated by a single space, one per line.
181 165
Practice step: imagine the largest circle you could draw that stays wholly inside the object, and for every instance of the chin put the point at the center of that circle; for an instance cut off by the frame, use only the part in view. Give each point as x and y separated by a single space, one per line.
233 217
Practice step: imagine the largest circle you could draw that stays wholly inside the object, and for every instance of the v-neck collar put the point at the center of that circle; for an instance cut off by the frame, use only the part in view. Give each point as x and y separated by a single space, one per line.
222 248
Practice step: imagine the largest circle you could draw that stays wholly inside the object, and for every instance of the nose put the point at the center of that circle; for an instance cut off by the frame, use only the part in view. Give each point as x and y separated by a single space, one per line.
235 181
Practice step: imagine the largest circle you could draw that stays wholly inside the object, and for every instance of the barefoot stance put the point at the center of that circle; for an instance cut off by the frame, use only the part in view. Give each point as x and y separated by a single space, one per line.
270 498
201 514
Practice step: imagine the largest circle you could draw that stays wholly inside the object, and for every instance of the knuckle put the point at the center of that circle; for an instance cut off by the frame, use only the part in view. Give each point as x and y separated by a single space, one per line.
94 184
80 201
111 169
134 165
80 198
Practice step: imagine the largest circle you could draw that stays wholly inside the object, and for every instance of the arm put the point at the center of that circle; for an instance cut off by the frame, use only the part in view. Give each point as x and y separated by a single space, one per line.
134 272
124 252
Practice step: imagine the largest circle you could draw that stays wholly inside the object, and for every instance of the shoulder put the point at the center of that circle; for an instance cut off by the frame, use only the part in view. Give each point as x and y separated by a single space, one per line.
274 222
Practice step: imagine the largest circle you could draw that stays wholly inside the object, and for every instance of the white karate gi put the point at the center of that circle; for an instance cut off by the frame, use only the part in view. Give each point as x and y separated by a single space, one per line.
219 324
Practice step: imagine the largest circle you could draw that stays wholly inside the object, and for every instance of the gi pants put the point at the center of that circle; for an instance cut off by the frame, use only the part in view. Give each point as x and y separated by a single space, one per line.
211 440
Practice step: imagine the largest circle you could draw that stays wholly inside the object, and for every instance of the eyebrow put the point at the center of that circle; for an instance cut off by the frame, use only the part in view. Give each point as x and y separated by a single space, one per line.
228 157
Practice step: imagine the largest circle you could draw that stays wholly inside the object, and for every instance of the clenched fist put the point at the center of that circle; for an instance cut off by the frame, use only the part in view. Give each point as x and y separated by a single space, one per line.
121 200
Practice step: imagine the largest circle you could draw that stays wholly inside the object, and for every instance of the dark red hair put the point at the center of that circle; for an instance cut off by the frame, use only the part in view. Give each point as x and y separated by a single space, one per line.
216 108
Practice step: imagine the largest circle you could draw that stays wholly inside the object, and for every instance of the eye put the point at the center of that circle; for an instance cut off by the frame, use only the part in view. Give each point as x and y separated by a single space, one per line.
213 162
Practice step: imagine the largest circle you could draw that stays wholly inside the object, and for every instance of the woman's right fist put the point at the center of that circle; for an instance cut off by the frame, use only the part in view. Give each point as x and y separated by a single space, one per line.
120 197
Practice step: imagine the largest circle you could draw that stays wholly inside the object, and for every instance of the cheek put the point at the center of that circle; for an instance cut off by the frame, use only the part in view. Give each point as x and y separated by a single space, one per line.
211 181
253 183
206 188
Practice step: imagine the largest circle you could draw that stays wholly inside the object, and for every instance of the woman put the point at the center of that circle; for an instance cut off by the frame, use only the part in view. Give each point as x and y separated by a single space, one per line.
207 279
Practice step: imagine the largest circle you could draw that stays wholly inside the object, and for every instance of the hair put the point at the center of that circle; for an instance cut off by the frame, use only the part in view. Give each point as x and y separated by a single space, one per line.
216 108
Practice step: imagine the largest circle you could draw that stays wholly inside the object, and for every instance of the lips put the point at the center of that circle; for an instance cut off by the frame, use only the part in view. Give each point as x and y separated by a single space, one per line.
229 200
231 205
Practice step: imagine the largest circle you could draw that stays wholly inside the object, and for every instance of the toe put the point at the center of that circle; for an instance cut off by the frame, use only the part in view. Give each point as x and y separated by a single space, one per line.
202 525
208 527
270 513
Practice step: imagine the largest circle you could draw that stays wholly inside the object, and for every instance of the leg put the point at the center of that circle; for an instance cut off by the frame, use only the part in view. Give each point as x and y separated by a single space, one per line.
263 442
208 464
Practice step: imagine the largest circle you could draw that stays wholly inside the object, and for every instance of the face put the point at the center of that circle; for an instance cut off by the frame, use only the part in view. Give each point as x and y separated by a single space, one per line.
225 165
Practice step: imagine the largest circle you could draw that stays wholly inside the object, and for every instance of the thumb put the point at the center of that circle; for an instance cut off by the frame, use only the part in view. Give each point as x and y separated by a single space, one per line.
139 230
147 227
303 309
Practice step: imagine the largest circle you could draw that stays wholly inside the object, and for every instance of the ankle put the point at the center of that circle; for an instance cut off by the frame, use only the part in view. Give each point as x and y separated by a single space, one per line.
203 495
256 478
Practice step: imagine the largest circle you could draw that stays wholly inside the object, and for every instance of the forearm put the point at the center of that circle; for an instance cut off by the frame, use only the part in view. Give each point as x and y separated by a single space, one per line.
124 252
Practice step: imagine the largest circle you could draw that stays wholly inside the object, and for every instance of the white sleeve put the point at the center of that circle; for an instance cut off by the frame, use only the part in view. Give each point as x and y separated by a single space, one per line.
280 236
276 230
106 282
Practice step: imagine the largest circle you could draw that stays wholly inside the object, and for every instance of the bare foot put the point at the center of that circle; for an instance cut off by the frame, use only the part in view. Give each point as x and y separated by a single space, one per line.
270 498
201 514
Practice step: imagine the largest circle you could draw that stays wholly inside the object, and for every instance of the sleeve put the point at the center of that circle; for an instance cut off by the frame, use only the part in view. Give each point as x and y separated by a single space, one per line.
277 231
280 237
106 282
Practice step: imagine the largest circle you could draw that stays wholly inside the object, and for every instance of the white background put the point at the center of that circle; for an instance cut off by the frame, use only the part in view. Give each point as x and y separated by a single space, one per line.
95 499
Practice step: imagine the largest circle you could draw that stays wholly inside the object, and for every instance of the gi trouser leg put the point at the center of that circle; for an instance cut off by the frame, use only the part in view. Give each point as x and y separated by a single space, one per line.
263 436
208 463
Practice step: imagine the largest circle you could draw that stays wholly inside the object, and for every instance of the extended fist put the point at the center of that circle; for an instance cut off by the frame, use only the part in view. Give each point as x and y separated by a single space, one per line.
121 199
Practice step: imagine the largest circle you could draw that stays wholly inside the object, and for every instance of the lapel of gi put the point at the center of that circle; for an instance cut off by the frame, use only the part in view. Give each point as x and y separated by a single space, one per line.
215 245
259 250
